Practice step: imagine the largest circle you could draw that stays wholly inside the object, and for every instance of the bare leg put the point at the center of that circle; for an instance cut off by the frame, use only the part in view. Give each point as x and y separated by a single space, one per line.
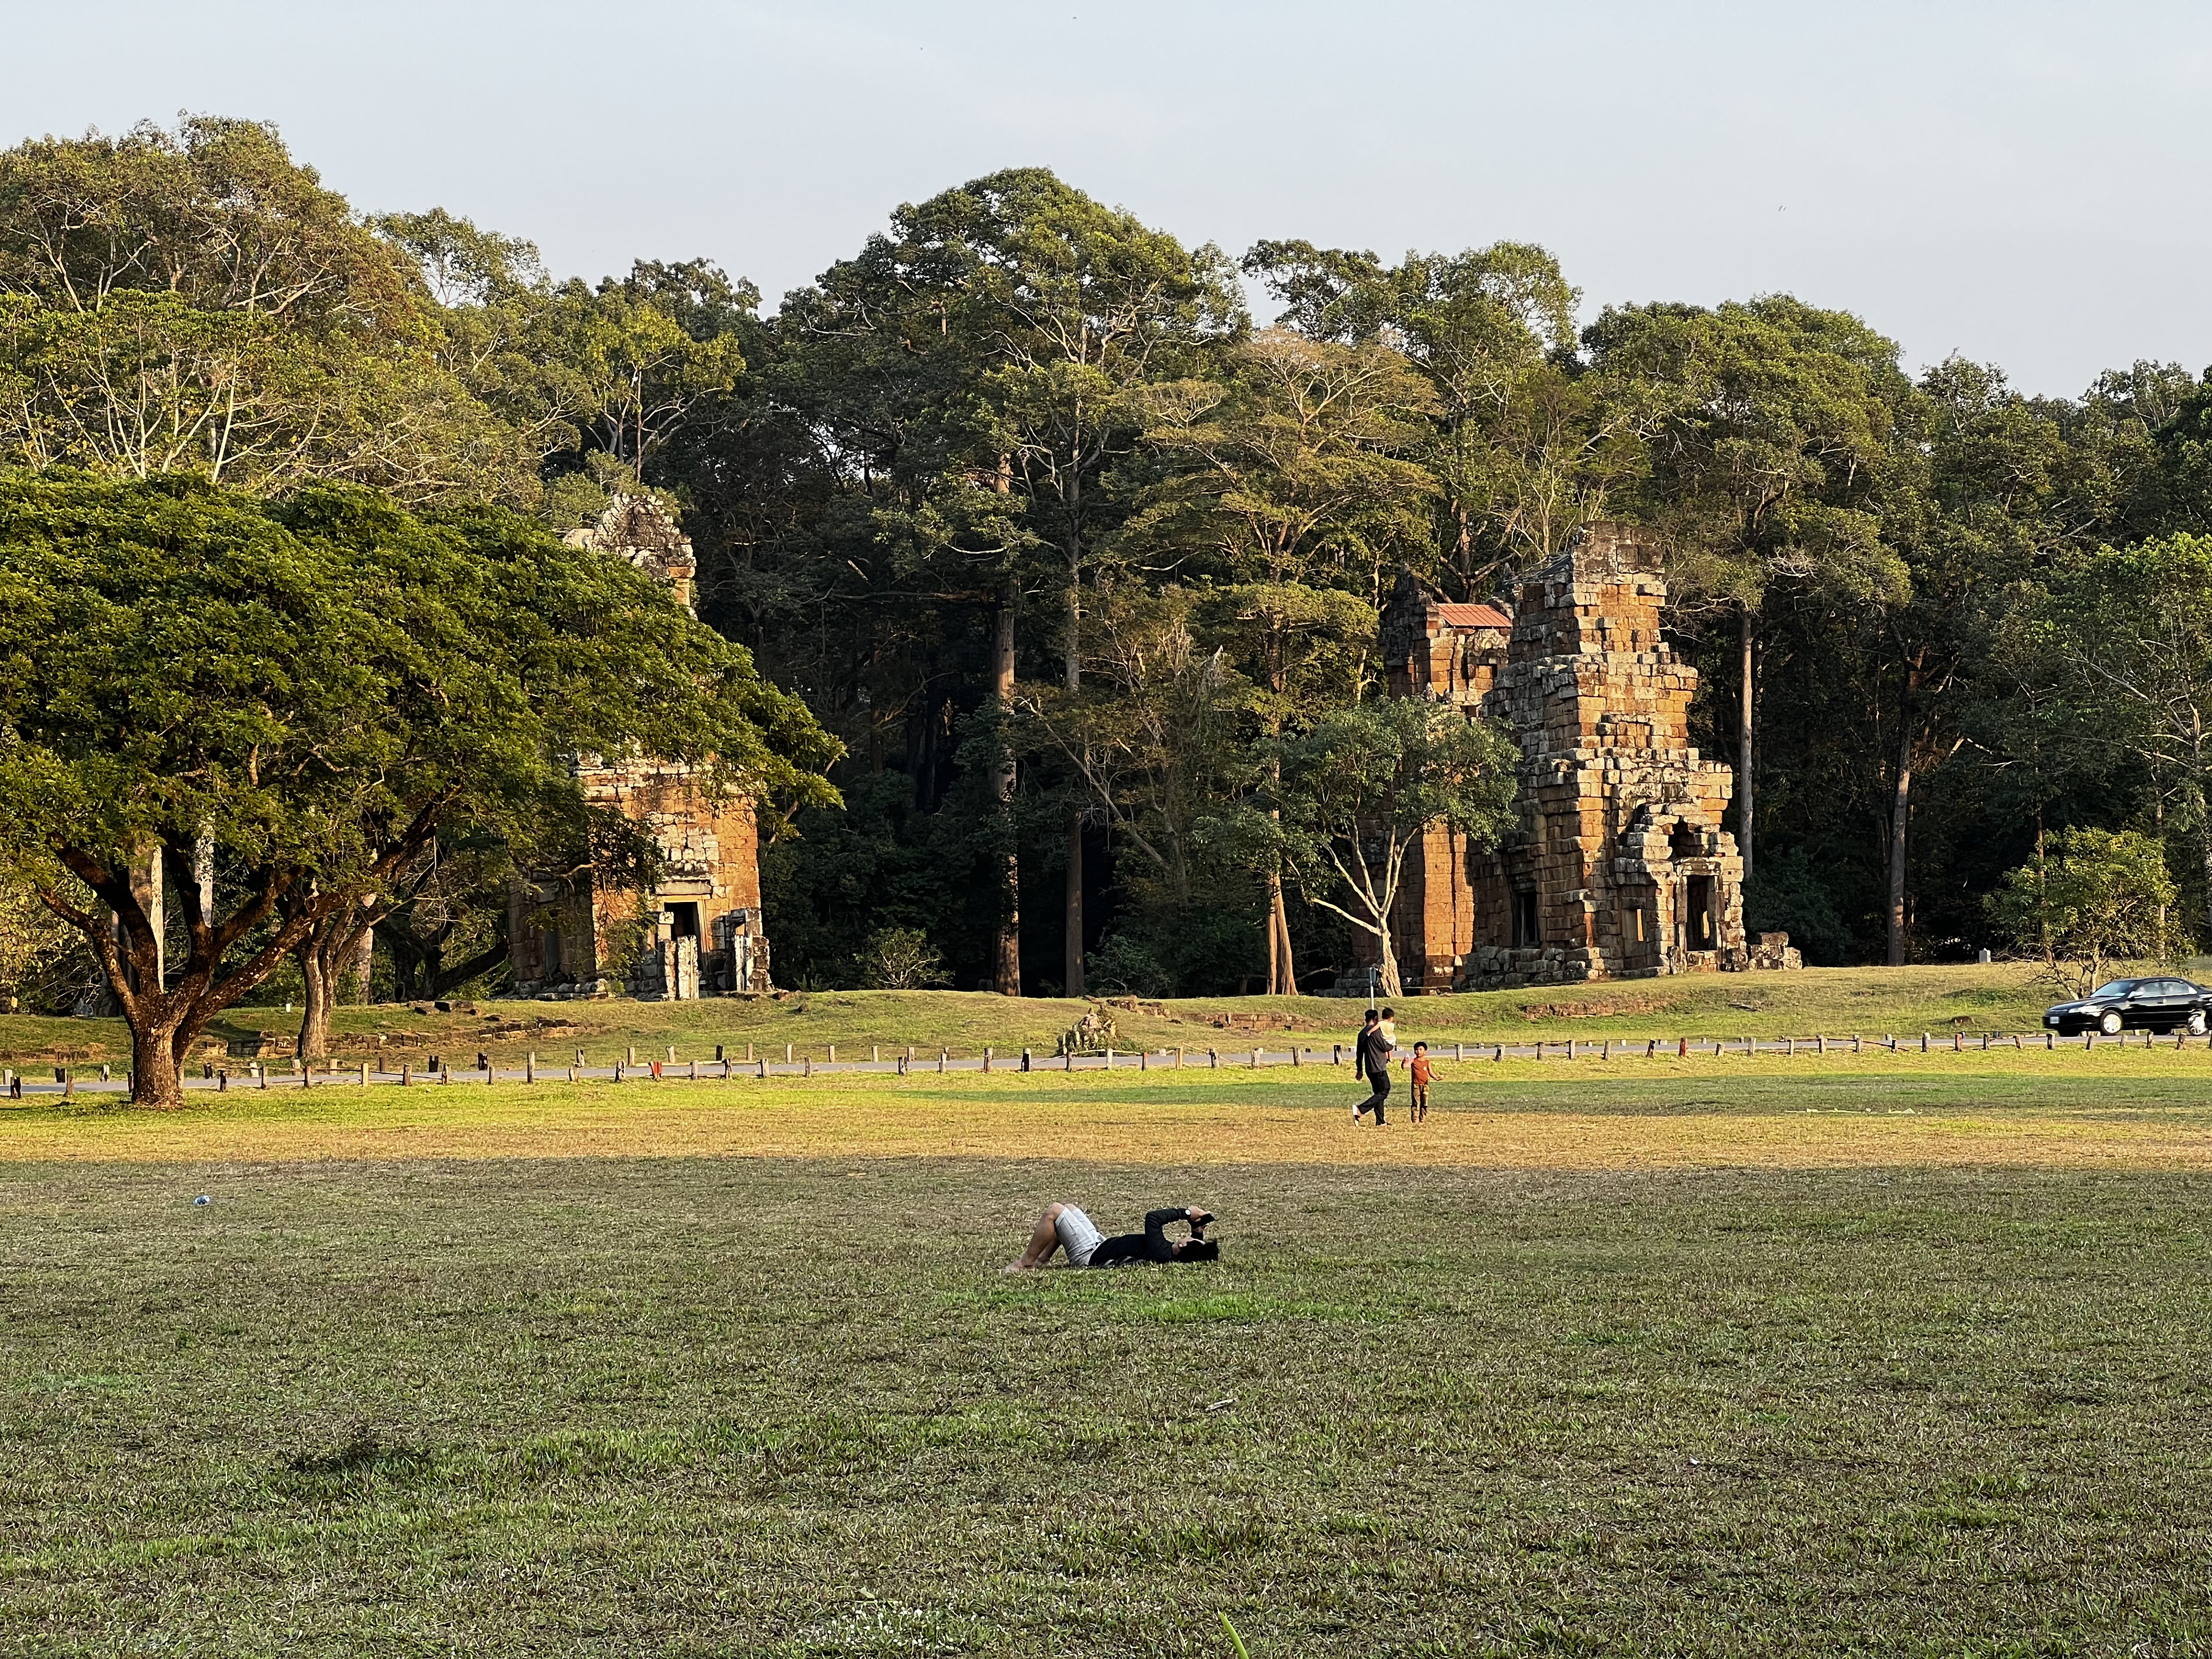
1044 1239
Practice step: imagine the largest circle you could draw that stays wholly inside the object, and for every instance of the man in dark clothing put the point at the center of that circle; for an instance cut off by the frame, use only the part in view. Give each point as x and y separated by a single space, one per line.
1064 1225
1372 1057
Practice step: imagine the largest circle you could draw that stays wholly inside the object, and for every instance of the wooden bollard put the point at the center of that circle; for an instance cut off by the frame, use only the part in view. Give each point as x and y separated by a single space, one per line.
2050 1041
1255 1059
1025 1060
1682 1050
1459 1051
1182 1057
1144 1059
749 1053
671 1053
530 1066
875 1055
364 1074
787 1053
406 1074
632 1059
695 1070
1294 1055
1212 1060
763 1069
987 1059
1923 1042
719 1056
943 1055
1109 1056
1500 1055
1070 1059
833 1053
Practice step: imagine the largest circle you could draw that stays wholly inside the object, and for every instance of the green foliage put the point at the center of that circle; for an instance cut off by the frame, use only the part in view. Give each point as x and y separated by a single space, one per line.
317 689
2097 897
902 959
1789 895
1362 786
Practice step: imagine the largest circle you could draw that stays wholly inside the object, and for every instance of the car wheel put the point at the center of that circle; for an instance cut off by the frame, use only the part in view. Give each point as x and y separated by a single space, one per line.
2196 1024
2109 1024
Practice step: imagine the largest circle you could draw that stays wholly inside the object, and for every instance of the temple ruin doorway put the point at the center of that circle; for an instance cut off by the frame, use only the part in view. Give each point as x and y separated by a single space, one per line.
1698 929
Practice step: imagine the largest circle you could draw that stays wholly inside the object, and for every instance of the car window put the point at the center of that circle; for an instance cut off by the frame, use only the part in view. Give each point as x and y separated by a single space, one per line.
2172 988
2119 988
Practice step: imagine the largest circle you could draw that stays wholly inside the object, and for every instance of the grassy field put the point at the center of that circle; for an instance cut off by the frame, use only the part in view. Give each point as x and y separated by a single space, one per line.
1832 1001
1881 1354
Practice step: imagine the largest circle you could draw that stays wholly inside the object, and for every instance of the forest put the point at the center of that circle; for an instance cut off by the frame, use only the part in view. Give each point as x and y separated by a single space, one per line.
1069 532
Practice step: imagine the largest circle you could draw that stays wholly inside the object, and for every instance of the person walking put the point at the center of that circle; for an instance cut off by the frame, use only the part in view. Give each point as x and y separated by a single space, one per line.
1420 1071
1371 1054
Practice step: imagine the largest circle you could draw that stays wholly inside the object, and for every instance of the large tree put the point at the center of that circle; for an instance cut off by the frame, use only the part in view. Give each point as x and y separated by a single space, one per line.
195 300
1364 783
1778 438
313 689
993 351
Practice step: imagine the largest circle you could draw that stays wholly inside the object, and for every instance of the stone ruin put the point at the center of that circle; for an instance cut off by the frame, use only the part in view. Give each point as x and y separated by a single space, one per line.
1618 867
702 932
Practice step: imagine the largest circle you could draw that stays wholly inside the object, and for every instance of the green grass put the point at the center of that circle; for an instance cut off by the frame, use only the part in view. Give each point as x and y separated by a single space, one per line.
1834 1001
782 1403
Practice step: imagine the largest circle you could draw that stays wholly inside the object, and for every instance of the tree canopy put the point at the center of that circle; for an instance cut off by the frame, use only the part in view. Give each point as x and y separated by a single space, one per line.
312 689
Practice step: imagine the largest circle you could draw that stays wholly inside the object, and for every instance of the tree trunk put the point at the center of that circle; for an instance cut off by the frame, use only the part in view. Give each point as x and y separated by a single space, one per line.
2203 816
1387 960
1743 783
1900 810
156 1079
315 1041
1072 911
1008 954
1282 971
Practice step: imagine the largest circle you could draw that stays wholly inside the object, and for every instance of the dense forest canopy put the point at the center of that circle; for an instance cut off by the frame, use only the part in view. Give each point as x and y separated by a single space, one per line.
1073 554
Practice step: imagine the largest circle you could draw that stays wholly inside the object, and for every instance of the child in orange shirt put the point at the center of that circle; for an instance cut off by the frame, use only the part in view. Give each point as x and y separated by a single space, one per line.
1422 1071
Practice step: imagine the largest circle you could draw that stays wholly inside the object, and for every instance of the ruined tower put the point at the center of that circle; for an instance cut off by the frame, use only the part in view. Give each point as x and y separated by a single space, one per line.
699 932
1619 867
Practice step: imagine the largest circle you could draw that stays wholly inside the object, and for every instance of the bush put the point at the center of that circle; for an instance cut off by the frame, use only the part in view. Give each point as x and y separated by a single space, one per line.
2099 898
902 959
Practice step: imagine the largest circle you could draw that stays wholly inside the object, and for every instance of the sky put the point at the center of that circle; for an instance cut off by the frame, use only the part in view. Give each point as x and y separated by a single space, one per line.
2025 183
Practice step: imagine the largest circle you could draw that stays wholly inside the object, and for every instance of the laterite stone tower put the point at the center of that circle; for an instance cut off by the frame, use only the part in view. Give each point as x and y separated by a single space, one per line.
1618 867
702 926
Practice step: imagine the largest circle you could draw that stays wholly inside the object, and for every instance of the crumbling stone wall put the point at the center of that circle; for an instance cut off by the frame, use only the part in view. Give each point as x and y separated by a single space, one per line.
700 931
1619 867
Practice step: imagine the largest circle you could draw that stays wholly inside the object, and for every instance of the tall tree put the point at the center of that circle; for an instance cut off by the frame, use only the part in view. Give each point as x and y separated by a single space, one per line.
316 689
2132 631
1036 317
1365 782
197 300
1777 436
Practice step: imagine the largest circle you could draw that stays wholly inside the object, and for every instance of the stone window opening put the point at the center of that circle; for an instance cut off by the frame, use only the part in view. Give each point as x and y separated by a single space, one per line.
1528 930
683 921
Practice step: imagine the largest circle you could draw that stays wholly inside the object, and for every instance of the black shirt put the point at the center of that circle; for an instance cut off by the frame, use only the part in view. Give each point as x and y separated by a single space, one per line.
1375 1052
1153 1244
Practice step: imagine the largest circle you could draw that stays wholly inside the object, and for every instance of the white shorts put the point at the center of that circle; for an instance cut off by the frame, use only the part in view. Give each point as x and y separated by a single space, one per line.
1078 1234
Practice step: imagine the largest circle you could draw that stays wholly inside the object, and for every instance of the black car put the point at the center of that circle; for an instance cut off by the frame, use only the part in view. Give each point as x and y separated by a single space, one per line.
2154 1004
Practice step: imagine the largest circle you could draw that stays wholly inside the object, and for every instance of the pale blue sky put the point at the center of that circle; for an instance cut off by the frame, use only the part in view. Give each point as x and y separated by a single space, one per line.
2024 183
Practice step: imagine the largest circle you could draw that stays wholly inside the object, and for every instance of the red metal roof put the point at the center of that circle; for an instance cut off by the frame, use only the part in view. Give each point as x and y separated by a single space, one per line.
1476 616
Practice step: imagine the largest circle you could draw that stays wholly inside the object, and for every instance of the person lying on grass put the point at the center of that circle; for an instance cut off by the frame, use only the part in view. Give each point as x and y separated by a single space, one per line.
1064 1226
